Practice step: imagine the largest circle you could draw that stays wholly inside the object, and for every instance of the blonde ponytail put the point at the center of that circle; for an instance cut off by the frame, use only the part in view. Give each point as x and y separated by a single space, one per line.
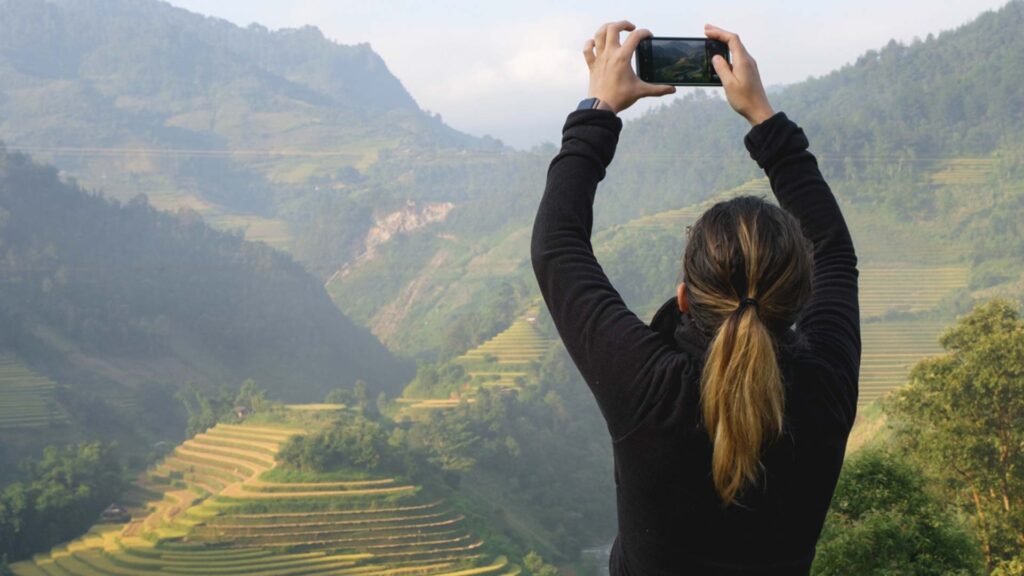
747 269
742 400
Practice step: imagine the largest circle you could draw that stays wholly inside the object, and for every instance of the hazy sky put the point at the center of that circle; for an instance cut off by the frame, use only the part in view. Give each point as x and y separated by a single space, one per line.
514 69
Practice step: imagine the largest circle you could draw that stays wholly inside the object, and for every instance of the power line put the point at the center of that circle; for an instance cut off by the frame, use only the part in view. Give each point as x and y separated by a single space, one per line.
451 154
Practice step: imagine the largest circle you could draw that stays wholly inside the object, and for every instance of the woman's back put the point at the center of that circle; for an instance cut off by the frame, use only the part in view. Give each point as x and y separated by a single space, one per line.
647 380
662 472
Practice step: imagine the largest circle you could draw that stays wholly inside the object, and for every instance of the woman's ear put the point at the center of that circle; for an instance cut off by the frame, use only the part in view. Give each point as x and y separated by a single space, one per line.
684 306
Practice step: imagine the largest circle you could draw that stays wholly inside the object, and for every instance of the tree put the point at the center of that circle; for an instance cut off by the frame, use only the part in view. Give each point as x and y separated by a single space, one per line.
339 396
884 519
203 411
536 566
251 396
60 497
361 394
354 442
1014 567
961 413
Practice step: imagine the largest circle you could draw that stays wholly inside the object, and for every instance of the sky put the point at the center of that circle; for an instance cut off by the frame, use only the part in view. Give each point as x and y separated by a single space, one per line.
513 70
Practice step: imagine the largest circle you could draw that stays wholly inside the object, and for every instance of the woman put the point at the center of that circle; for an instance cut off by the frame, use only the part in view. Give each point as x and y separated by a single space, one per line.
729 414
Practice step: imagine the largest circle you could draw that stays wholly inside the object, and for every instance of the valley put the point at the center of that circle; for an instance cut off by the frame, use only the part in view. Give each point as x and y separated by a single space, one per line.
246 274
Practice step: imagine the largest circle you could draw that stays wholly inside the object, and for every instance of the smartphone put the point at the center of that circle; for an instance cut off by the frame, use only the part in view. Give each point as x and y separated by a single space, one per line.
679 61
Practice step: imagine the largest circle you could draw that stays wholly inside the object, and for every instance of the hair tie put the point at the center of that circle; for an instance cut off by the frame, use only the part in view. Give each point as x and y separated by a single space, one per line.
750 301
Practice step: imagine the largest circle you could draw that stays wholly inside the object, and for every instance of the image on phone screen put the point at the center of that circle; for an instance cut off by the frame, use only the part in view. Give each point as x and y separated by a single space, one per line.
679 61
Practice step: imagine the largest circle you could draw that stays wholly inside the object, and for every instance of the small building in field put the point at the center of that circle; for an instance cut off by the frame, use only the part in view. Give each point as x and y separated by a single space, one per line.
115 514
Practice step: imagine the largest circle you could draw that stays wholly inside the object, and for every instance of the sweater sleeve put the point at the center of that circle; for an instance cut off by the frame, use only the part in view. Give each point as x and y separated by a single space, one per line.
619 356
831 320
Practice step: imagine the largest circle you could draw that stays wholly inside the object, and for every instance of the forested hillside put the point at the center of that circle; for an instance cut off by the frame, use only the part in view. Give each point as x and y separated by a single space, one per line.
120 305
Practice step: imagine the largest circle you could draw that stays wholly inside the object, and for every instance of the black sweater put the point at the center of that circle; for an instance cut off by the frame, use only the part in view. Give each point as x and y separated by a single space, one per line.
646 377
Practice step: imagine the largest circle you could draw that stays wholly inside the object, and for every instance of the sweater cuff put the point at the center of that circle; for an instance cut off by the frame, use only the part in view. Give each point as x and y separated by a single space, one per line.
773 139
598 128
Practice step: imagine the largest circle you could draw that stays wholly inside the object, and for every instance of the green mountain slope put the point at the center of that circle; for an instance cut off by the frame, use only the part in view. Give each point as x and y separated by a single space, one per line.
241 125
119 305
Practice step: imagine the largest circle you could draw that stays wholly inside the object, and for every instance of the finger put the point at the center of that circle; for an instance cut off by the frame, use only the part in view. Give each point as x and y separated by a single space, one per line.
600 36
613 31
634 38
588 52
649 89
732 39
723 69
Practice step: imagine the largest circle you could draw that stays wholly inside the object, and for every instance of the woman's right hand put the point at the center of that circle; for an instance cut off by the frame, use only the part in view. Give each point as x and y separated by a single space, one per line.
741 80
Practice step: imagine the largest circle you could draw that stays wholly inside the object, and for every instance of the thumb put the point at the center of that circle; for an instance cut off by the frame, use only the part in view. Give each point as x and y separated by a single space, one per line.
723 69
658 89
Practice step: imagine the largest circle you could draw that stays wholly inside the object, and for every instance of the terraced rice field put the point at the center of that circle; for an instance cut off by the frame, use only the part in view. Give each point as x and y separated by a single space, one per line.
26 398
212 514
963 171
889 350
517 345
274 232
432 403
500 363
907 288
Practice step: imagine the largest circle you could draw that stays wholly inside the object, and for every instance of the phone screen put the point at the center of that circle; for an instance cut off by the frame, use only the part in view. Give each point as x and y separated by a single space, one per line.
681 61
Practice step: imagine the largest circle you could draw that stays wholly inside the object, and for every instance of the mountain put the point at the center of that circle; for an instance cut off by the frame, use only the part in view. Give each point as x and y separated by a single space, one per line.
922 142
120 305
415 228
240 124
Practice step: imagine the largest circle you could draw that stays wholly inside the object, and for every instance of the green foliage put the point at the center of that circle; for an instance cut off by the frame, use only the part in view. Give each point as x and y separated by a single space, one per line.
251 397
545 448
535 565
961 414
1013 567
435 380
449 438
62 494
352 442
203 411
472 328
644 265
884 519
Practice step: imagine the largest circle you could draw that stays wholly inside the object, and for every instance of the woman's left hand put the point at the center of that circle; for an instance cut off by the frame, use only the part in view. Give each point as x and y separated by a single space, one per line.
612 79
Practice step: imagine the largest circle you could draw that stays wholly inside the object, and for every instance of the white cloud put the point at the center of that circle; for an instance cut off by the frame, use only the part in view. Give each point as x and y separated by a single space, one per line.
506 82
